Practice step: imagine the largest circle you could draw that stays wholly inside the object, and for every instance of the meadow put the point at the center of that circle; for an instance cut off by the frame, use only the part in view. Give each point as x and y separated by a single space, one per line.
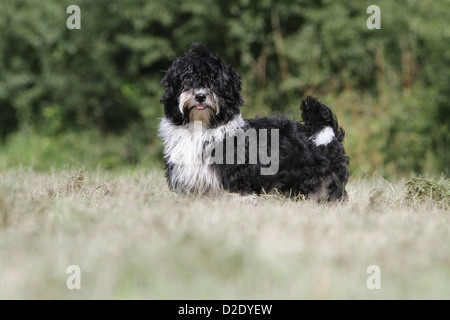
132 238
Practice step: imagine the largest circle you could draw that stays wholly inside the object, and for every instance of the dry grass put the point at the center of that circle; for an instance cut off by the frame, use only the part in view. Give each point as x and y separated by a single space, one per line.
422 190
132 238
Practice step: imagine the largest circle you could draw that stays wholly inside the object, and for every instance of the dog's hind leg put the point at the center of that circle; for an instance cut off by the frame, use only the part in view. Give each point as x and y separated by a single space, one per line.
323 130
331 189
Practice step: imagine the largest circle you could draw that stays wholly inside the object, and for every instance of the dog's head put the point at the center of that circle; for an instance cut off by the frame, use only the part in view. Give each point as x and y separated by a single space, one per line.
200 87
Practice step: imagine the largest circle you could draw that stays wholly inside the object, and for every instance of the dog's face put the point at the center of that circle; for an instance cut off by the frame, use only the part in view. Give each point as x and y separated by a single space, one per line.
200 87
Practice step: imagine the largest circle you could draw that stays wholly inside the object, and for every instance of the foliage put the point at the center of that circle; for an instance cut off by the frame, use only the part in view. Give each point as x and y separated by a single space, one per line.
389 87
87 149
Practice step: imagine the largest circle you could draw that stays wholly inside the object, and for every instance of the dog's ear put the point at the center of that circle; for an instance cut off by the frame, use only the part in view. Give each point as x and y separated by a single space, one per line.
171 84
231 86
237 84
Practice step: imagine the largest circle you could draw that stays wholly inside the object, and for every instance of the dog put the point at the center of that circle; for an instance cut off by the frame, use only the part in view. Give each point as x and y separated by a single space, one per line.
210 148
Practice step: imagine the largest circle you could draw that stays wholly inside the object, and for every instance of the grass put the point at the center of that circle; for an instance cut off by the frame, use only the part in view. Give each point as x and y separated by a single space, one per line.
134 239
421 190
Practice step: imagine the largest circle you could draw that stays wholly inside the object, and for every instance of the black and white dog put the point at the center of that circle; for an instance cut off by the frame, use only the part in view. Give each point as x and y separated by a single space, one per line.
209 147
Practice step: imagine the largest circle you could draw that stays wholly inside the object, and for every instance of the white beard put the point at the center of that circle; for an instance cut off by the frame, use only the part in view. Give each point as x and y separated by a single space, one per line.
189 151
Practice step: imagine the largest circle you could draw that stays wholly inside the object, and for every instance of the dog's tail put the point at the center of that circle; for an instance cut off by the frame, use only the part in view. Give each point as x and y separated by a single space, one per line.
324 131
321 123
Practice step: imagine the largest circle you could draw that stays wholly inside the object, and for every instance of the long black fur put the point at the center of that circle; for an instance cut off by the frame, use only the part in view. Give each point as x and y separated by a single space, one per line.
304 167
199 68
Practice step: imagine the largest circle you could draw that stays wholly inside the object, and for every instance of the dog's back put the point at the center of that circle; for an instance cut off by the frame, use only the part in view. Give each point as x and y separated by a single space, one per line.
311 157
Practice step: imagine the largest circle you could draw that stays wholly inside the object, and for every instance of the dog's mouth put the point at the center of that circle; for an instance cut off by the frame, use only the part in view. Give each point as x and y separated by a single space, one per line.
200 107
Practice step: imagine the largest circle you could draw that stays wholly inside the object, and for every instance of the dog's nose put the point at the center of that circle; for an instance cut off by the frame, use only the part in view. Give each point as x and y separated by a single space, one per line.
200 97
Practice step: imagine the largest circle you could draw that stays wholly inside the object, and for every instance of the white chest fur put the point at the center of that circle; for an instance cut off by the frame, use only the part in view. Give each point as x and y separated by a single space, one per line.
187 149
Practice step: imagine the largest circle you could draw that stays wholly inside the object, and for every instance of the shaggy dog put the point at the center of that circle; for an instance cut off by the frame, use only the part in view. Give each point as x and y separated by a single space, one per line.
209 148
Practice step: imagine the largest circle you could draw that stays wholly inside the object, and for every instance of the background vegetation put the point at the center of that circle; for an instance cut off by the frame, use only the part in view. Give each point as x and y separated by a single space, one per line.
90 97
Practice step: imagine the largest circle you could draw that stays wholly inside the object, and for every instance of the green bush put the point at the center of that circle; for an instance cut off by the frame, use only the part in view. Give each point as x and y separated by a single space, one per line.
81 150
